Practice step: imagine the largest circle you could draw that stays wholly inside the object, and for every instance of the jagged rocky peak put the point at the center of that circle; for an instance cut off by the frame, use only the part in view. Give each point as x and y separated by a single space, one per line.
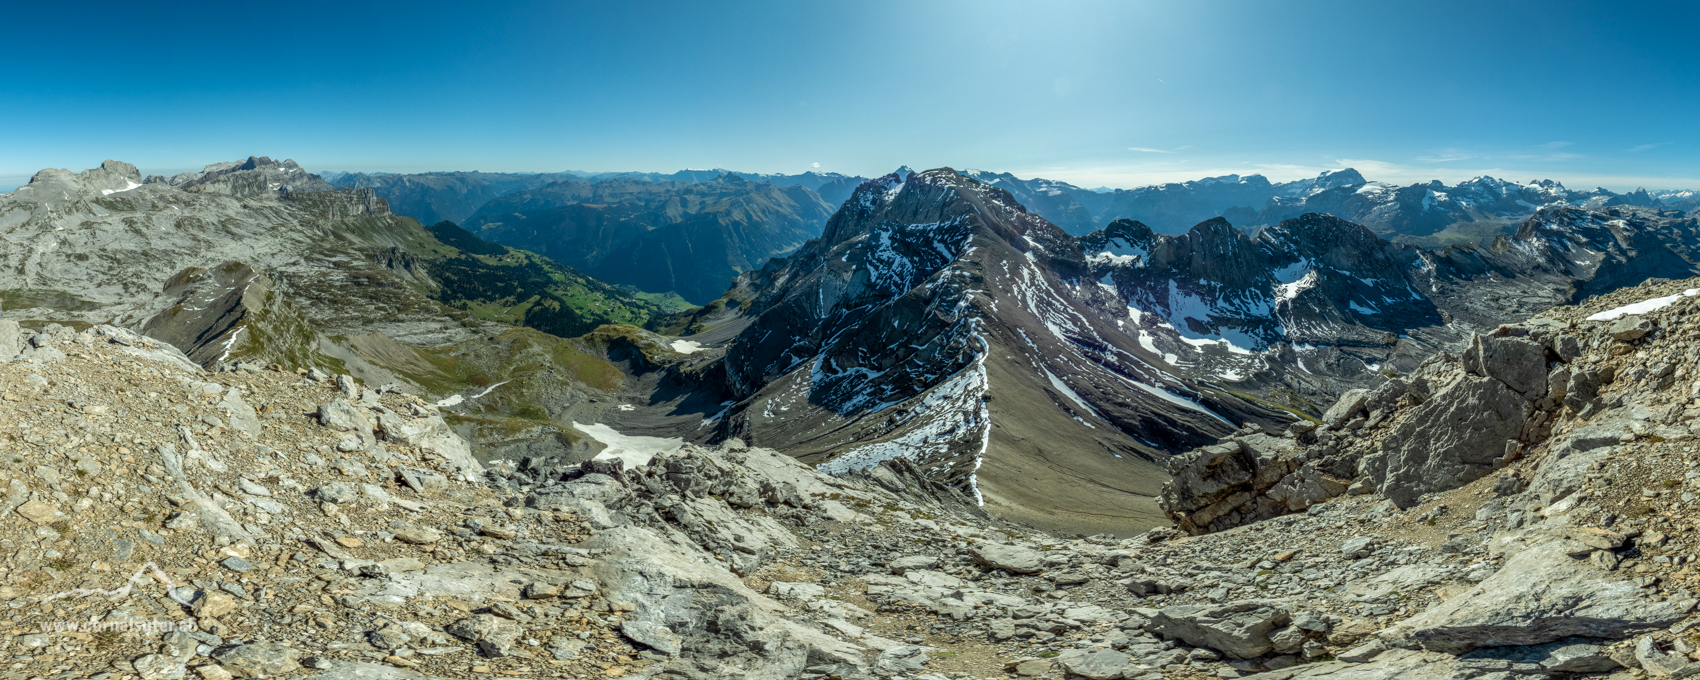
1329 179
256 175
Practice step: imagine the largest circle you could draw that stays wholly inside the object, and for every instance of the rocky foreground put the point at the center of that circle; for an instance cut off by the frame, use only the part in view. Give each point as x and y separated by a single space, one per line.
1519 509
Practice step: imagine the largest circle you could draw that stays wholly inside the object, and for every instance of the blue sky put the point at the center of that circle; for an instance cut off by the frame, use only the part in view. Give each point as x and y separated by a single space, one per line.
1096 93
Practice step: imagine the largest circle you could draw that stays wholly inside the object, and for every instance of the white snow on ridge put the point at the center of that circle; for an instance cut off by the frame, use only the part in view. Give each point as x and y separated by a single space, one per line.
952 412
1069 392
109 192
1175 399
687 346
1286 292
633 451
231 342
1643 306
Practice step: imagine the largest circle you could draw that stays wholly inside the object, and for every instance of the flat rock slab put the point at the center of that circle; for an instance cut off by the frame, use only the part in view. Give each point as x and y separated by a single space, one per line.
369 671
1398 664
1010 557
1540 596
1098 664
1238 629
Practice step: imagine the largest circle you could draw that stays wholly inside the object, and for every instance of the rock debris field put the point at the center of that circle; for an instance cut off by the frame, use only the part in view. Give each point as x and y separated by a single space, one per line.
1520 508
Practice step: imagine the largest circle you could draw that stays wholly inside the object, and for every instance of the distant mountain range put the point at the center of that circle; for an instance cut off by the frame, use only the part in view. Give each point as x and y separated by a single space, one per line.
431 197
687 238
1432 213
655 231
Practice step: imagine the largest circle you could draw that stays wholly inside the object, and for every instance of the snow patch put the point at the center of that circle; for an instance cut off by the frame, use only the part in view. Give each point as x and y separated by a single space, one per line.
689 346
1643 306
487 390
1177 400
633 451
109 192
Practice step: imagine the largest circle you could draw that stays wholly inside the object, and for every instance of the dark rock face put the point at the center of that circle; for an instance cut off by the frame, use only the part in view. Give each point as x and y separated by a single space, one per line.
692 239
228 313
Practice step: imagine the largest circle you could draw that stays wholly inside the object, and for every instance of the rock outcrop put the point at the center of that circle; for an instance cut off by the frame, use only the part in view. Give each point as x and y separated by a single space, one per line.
231 313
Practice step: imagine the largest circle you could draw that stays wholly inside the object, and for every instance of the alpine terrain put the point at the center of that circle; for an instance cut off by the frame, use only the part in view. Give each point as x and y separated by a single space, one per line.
1516 510
255 426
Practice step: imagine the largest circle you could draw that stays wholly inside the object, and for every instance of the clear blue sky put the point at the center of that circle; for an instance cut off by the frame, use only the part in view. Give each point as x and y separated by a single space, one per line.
1116 93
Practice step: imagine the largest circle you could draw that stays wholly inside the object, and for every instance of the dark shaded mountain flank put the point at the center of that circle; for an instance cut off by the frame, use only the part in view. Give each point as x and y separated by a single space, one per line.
659 237
437 196
455 237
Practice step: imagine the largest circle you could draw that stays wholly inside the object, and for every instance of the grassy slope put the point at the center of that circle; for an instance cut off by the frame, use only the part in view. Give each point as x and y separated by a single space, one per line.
521 288
564 325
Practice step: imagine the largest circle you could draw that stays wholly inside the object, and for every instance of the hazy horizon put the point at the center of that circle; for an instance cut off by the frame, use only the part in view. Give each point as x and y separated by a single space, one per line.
1285 173
1093 93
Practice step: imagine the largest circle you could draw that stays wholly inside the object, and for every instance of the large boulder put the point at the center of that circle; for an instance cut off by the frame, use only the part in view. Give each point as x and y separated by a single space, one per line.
1542 595
1238 629
1225 485
1348 405
1519 363
1097 664
1449 441
1015 558
13 339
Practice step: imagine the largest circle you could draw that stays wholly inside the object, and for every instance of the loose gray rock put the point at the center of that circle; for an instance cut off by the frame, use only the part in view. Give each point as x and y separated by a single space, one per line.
160 667
340 493
340 415
258 660
1348 405
1541 595
903 564
1630 328
1098 664
653 635
1238 629
1518 363
1013 558
903 659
